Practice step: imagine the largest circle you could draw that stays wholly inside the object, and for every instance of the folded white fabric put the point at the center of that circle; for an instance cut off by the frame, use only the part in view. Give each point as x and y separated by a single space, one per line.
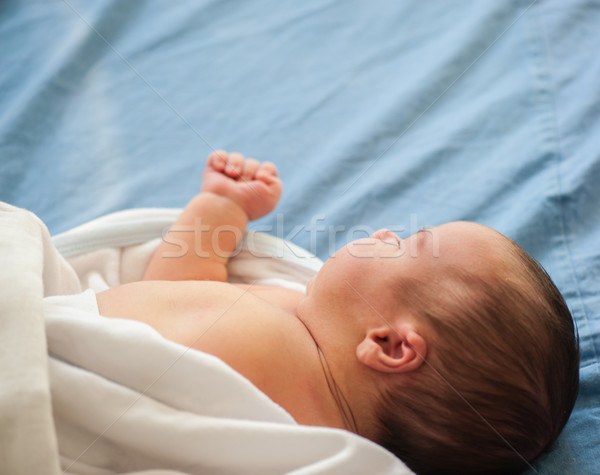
124 399
27 437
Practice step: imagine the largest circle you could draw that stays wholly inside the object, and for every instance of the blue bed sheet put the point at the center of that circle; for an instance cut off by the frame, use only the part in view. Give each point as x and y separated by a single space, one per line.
394 114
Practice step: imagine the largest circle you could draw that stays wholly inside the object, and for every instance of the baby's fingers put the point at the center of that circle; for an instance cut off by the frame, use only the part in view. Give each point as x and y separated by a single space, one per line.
218 160
235 165
251 166
267 172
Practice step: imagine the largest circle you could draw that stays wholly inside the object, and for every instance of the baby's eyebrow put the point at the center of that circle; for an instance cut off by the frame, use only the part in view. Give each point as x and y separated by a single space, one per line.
435 244
425 230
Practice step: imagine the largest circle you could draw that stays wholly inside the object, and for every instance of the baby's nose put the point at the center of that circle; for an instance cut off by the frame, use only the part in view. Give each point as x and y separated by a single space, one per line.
386 235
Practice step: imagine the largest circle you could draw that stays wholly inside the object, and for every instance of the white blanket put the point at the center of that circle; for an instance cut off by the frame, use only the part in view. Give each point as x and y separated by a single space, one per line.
89 395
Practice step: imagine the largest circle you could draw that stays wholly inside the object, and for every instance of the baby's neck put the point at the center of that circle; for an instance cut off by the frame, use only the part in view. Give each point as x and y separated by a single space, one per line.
314 398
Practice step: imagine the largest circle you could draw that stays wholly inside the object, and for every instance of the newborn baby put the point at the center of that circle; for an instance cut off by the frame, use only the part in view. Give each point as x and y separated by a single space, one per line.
451 348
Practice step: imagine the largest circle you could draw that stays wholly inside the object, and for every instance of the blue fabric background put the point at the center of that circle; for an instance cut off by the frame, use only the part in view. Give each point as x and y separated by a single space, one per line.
392 114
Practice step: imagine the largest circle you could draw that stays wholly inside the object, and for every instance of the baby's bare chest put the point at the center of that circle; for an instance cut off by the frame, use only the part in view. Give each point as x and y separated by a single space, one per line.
215 317
248 327
211 315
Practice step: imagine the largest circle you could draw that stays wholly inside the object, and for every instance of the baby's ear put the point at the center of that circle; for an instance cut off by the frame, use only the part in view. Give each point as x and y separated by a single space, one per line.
392 350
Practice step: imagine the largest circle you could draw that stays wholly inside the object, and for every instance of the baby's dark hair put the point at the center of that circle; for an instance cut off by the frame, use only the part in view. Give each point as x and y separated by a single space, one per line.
500 378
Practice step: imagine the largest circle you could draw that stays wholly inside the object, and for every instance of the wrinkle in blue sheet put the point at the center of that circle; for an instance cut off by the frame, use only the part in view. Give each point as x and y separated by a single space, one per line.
376 113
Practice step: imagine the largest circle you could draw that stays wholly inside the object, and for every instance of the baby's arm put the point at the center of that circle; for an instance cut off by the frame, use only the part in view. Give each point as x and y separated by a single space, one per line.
199 244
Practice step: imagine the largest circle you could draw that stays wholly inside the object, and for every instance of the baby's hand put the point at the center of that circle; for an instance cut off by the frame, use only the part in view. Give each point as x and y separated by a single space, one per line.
252 185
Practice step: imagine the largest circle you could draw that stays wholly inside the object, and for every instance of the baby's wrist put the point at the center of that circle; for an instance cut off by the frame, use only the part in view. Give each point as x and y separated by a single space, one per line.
222 203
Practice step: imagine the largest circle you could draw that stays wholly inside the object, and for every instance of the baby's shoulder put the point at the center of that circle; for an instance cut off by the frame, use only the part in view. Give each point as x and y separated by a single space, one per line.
285 299
186 311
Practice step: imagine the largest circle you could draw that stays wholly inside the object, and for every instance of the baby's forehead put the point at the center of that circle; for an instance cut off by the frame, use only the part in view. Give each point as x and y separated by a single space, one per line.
464 241
466 229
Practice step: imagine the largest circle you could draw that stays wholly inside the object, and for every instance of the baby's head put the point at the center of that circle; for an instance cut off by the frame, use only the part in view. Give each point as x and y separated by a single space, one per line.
470 345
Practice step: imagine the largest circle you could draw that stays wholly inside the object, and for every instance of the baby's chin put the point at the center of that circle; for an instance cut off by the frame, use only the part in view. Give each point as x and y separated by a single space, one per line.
309 284
300 310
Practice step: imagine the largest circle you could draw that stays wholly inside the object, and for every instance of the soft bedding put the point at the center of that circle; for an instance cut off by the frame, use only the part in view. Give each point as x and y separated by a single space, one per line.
386 113
113 396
